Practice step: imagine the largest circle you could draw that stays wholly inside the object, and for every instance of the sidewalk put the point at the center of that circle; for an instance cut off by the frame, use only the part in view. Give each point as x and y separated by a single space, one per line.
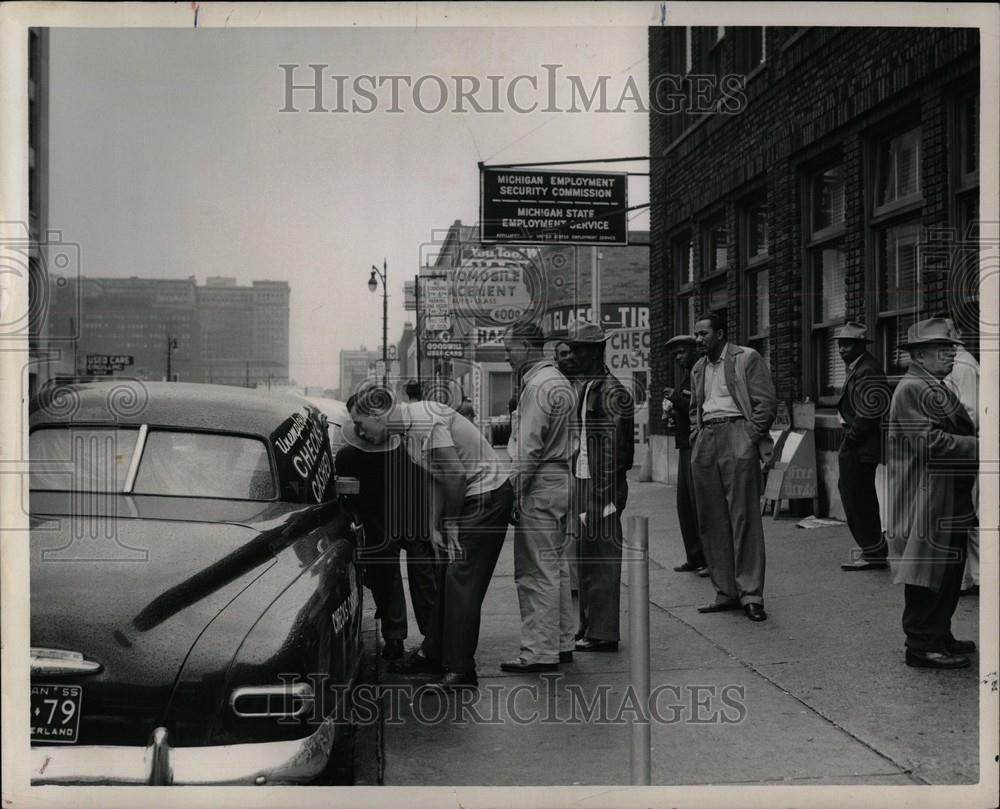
817 694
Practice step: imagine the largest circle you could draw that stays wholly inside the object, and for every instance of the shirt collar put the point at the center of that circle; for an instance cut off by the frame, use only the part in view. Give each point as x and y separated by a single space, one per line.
722 355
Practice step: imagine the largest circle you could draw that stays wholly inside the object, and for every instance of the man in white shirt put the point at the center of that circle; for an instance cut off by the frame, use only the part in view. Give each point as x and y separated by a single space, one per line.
732 407
541 449
475 505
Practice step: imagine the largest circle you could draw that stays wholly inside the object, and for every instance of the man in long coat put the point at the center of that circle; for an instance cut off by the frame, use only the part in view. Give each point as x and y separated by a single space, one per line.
863 406
932 459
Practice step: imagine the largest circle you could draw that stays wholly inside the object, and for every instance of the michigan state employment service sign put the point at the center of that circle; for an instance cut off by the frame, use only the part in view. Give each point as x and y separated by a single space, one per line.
553 207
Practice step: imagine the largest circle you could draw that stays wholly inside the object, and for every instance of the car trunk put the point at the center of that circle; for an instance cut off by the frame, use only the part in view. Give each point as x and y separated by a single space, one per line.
132 593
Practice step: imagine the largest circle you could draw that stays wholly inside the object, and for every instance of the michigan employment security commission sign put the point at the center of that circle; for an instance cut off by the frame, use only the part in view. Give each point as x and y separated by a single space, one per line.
553 207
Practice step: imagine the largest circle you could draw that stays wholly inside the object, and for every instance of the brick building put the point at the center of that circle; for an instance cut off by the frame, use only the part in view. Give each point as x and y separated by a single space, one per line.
804 176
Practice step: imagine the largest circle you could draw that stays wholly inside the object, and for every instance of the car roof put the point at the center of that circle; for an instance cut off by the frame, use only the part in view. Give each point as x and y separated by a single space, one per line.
175 404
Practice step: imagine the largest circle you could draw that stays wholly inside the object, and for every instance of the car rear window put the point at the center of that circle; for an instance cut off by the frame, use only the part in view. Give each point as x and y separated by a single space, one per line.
81 459
181 464
205 465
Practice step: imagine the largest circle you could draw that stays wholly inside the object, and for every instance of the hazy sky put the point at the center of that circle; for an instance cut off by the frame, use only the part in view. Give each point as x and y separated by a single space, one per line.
169 156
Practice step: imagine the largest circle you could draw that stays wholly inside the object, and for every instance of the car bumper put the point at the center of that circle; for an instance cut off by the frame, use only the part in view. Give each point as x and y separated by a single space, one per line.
297 761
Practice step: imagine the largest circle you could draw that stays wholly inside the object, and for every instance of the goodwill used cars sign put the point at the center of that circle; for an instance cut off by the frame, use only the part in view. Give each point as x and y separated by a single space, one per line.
553 207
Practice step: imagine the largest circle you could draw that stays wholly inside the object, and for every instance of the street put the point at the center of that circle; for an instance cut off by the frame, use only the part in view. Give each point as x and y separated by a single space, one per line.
818 694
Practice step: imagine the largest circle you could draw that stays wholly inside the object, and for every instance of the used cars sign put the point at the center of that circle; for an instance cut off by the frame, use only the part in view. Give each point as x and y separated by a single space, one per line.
531 206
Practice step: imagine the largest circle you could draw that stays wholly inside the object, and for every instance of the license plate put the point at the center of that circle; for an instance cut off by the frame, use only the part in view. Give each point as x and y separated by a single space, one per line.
55 713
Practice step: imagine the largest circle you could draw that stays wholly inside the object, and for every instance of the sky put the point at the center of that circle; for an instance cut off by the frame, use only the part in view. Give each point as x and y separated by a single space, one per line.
170 155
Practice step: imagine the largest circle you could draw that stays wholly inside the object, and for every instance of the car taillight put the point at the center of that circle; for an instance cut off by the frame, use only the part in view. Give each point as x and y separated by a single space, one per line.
284 700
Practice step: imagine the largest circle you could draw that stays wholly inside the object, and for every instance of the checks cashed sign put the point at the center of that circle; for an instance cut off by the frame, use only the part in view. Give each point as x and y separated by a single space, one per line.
302 450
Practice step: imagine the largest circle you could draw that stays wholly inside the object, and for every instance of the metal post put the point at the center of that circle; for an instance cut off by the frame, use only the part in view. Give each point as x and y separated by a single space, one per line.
595 286
637 559
385 322
416 298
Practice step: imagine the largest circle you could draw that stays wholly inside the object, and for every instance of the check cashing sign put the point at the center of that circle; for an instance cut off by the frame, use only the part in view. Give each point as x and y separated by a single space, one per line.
553 207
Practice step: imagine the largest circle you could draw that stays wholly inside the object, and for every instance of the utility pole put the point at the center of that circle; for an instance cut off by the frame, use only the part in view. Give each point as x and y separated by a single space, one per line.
416 296
372 286
248 373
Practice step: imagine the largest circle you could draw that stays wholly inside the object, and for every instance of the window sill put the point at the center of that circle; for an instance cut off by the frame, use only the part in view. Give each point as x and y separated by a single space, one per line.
757 261
788 43
826 234
909 204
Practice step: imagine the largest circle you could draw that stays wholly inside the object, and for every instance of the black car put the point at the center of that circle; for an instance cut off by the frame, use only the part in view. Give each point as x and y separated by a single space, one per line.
195 612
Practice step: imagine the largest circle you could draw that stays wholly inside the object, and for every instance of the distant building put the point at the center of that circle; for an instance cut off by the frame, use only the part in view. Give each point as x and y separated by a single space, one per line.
217 333
356 365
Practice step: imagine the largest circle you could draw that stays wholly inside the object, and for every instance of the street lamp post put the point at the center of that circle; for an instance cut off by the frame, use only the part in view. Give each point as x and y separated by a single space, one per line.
171 345
372 286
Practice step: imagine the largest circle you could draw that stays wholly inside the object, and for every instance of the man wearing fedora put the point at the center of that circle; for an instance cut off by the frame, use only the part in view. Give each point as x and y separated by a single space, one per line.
685 351
605 420
733 405
932 458
863 405
475 499
541 449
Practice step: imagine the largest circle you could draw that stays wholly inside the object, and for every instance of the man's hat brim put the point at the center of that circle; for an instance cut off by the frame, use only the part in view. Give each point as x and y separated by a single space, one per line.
681 341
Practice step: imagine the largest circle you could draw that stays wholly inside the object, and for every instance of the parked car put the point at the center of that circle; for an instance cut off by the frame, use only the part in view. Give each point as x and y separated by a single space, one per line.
195 612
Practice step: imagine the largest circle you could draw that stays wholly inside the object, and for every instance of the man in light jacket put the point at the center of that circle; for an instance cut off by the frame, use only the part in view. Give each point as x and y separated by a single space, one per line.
932 456
541 449
732 407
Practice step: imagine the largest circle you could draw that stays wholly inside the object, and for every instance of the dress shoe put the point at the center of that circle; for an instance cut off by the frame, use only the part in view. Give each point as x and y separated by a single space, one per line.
687 567
591 645
454 681
865 564
393 649
720 606
416 663
704 572
970 591
961 647
580 635
565 657
755 612
935 660
522 666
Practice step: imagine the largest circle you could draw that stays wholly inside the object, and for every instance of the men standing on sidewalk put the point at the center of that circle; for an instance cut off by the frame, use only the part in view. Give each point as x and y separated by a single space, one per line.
933 453
863 406
732 408
678 416
541 450
475 503
605 419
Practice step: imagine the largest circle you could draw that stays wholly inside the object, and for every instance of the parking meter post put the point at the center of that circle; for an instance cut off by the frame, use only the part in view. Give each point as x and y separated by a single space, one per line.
637 547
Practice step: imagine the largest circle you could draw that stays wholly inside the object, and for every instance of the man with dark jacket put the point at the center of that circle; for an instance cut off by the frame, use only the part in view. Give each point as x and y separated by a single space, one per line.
605 421
733 405
863 406
685 350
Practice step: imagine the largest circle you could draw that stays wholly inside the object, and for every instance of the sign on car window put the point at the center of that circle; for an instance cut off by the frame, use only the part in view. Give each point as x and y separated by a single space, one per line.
302 450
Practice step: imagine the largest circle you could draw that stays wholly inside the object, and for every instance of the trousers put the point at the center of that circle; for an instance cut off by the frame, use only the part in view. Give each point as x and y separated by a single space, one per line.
453 635
726 472
687 513
857 493
926 612
541 569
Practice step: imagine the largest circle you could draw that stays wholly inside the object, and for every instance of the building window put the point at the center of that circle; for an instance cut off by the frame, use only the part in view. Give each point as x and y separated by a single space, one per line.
688 49
715 252
755 250
898 170
963 279
896 236
827 269
682 249
752 49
